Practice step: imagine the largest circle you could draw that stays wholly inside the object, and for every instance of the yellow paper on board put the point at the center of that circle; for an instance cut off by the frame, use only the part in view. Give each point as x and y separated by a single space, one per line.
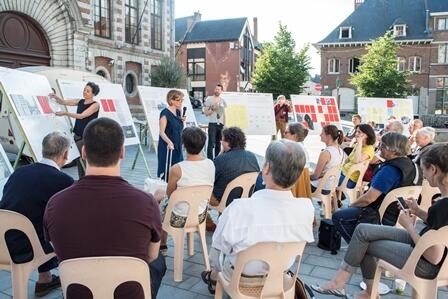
236 116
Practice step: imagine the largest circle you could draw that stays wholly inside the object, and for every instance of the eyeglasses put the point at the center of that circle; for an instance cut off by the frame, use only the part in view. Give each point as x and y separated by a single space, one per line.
287 132
178 100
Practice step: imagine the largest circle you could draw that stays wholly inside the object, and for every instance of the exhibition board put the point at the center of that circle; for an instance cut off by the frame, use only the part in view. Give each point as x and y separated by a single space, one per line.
112 101
380 109
5 169
252 112
315 112
154 101
31 115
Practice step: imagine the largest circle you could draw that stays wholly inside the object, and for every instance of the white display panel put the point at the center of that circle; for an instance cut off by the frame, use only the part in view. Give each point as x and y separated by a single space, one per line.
154 101
316 112
380 109
252 112
113 104
5 170
27 95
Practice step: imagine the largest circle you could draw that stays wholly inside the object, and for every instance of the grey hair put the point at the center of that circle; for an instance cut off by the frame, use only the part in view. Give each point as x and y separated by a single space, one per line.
280 96
396 143
286 161
427 131
396 126
54 145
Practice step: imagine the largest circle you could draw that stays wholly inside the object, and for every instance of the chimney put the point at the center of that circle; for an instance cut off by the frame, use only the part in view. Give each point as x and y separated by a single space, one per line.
197 16
358 3
255 29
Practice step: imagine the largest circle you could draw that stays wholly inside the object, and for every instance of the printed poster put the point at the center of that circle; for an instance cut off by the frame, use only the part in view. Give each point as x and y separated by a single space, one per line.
252 112
315 112
112 101
5 170
380 109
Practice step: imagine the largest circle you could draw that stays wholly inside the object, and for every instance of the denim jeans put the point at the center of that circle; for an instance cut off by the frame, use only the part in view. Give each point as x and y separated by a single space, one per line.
350 183
345 221
214 139
391 244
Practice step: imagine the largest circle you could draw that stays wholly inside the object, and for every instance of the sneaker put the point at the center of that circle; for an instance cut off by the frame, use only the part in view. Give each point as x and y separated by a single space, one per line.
210 226
42 289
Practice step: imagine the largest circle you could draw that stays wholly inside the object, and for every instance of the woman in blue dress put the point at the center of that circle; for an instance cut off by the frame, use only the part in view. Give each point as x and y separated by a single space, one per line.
171 124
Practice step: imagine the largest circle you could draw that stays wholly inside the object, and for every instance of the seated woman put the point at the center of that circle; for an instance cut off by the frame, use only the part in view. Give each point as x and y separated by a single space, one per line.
362 151
394 245
195 170
331 156
298 132
424 137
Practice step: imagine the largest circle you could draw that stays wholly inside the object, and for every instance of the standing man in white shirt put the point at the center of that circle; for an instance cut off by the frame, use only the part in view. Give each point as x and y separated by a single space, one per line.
214 109
270 215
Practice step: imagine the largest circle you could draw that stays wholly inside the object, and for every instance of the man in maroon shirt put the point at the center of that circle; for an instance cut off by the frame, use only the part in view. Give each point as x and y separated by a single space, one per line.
103 215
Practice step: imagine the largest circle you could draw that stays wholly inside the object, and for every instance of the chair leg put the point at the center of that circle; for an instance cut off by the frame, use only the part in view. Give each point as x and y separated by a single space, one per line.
201 232
219 291
19 277
190 241
327 206
178 239
425 292
376 281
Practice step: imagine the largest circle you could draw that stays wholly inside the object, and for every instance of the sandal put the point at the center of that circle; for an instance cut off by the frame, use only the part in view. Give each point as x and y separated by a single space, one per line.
334 292
205 275
164 250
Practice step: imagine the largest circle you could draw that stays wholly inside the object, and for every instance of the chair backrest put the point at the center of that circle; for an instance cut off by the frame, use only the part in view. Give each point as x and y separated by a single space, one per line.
427 195
193 196
102 275
277 256
358 167
429 239
14 221
405 192
331 174
245 181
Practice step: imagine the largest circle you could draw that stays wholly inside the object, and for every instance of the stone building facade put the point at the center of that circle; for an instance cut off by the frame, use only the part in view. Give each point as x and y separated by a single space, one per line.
118 39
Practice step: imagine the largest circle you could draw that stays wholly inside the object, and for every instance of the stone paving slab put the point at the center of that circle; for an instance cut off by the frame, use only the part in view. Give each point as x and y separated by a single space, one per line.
317 265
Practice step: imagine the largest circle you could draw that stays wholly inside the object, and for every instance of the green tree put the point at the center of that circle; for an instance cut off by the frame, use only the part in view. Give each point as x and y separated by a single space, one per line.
377 75
280 69
169 73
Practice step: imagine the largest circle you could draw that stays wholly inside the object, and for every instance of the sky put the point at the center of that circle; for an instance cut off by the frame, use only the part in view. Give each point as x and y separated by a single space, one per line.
309 21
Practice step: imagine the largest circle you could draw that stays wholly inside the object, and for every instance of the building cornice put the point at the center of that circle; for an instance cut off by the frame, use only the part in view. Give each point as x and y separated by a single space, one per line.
365 43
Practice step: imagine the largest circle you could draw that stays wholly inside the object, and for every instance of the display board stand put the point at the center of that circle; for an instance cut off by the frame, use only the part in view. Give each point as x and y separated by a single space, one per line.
19 155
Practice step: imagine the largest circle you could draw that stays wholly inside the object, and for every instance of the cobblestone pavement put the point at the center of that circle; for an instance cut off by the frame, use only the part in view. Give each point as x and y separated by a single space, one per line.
316 267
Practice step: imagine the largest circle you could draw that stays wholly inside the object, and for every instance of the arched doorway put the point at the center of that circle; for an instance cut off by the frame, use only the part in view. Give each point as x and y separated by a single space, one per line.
22 42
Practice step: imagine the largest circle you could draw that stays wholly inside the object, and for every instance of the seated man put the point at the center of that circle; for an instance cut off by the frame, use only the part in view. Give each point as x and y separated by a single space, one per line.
27 192
397 171
103 215
270 215
231 163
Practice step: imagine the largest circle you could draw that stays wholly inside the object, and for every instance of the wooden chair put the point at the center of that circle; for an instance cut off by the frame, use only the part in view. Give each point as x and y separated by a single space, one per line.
245 181
20 273
328 200
102 275
353 194
427 194
405 192
422 288
277 284
193 196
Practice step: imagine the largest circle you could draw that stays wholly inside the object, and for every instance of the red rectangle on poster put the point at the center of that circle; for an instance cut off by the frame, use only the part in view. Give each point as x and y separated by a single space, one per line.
319 108
314 117
336 117
43 101
111 105
390 104
302 108
313 109
332 101
322 101
326 117
104 105
297 108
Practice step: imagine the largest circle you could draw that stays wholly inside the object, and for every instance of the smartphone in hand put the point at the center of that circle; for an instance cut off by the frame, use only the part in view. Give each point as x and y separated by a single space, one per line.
402 203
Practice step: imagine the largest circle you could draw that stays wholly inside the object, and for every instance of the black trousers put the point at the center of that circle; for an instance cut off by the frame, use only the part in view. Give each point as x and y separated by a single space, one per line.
214 139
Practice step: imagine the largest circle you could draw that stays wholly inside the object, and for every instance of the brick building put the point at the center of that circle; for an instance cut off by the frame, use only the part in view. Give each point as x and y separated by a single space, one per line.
118 39
420 28
215 51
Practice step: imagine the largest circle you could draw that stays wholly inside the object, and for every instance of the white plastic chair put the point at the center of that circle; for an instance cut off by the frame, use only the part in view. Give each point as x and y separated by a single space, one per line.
427 194
422 288
245 181
353 194
328 200
20 273
193 196
102 275
277 284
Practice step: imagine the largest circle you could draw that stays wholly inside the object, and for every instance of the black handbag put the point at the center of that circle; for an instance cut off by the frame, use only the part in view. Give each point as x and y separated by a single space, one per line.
329 237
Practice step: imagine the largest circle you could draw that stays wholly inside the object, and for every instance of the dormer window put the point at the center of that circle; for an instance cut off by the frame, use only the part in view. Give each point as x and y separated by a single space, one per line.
399 30
345 32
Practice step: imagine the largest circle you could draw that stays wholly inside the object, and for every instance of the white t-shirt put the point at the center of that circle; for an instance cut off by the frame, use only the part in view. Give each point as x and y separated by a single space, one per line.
337 157
194 173
268 216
